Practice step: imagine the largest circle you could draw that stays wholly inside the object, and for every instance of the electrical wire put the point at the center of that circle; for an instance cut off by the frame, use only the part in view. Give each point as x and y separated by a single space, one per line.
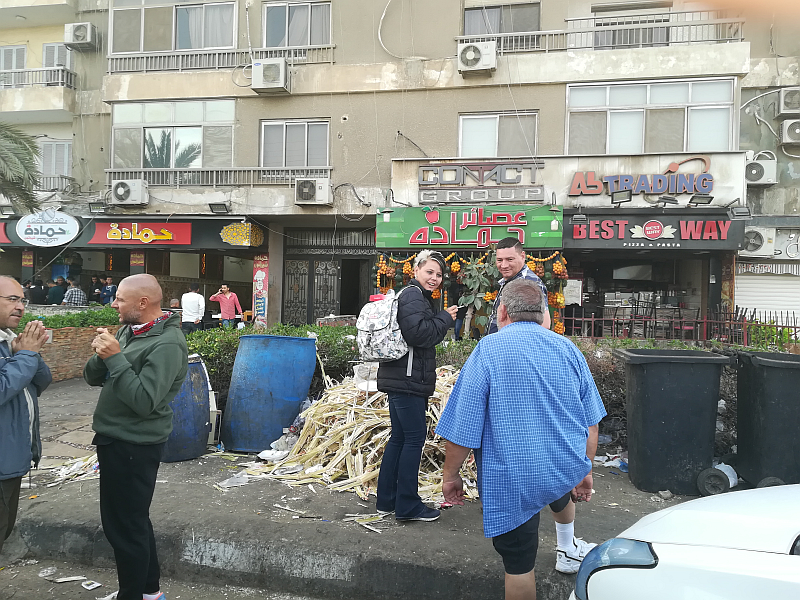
380 39
759 96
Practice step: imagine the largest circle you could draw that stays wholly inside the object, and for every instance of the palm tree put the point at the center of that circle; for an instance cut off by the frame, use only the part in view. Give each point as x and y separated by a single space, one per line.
19 171
159 156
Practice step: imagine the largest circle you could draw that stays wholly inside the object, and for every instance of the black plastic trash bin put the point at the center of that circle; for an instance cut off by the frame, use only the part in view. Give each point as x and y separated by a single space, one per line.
768 416
671 398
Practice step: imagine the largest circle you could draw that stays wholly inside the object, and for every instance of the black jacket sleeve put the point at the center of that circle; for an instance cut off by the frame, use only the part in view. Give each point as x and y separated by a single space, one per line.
419 329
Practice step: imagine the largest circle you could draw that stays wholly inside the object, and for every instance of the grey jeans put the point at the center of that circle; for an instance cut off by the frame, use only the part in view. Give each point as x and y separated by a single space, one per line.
9 501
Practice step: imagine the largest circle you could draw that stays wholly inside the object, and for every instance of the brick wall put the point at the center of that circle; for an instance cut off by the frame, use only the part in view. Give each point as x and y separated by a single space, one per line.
69 351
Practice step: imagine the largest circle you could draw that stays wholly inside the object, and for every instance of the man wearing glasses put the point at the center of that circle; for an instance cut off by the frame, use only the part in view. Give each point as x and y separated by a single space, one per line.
23 377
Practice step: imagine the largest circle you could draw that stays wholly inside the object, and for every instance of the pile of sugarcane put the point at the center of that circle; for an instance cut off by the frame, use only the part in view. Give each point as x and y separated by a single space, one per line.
344 435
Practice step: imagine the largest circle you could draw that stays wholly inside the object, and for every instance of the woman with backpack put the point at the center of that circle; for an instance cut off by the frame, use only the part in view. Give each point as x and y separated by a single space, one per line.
423 327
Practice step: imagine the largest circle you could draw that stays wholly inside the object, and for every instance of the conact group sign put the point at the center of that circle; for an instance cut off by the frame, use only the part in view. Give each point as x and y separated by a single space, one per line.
48 228
468 227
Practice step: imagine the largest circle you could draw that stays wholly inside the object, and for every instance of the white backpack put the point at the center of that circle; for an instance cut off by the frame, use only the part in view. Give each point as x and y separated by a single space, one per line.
379 337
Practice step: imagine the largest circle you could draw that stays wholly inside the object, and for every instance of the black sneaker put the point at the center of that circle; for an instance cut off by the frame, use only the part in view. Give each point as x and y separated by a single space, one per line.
427 514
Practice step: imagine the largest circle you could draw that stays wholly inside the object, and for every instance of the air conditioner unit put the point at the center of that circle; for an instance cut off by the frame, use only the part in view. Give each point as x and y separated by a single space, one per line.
762 171
790 132
129 192
475 58
789 102
313 191
758 242
80 36
270 76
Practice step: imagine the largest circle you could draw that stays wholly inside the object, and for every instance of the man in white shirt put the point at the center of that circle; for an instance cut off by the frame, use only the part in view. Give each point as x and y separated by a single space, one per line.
194 307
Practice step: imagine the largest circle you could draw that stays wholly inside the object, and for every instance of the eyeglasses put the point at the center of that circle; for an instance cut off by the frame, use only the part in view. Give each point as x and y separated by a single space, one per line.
16 299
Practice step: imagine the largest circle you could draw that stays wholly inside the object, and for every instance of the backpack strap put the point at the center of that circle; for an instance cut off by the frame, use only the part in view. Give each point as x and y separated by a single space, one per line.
410 348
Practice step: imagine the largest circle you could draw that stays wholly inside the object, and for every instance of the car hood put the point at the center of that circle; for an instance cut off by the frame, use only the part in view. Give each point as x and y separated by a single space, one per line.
762 520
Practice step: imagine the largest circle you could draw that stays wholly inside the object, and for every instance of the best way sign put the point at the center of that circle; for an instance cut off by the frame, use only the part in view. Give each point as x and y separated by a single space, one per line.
472 227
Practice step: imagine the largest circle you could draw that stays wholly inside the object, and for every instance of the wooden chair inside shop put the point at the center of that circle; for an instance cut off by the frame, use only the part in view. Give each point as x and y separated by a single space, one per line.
641 321
664 321
687 323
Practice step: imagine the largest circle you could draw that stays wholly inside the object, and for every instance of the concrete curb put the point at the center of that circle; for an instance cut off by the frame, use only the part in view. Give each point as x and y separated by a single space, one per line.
238 558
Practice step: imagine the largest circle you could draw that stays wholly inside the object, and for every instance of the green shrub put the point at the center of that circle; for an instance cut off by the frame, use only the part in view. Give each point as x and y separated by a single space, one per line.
455 353
86 318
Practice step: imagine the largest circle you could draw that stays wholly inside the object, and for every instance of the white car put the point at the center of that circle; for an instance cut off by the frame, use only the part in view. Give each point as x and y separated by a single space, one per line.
734 546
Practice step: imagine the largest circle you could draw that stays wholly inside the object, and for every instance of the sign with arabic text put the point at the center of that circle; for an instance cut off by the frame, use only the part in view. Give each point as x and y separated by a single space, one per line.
3 237
48 228
260 285
468 227
687 231
178 234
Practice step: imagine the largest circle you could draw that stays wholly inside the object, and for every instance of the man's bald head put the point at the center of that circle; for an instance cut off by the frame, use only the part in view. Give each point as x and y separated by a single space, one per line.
138 299
143 286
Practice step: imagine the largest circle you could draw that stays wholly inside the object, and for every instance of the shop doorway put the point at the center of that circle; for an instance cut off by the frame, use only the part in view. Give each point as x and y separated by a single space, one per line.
355 285
311 289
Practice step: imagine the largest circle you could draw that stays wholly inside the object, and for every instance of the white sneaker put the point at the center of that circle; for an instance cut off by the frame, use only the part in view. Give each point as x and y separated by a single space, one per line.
569 561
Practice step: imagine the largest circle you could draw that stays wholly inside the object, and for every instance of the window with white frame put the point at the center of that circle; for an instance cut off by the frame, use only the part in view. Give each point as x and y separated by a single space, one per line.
497 135
173 135
291 24
152 28
657 117
294 144
12 58
55 158
503 18
57 55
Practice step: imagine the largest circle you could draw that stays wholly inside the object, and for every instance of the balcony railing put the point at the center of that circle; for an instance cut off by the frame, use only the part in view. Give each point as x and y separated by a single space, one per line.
54 76
637 31
234 177
54 183
214 59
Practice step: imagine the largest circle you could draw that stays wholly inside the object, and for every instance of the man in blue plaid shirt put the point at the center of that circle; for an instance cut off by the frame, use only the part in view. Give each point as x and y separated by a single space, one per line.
534 443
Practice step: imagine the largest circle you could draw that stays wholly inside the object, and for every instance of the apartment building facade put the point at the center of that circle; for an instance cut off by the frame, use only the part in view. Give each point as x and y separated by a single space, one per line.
281 132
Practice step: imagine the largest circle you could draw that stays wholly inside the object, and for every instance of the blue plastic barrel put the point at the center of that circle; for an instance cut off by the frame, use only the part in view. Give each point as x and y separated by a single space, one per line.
271 378
190 421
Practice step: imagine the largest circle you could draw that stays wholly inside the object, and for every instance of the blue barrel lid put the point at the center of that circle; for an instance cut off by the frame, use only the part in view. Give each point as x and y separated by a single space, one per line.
278 337
637 356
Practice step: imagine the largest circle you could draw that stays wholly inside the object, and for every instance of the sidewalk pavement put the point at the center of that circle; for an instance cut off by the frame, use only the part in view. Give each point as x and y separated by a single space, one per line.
240 537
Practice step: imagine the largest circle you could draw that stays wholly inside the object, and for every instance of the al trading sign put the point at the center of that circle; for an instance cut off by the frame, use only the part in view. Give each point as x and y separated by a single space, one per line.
475 227
694 230
588 183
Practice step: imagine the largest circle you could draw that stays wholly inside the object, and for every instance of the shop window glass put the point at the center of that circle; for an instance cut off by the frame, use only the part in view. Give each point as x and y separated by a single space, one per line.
511 18
587 133
479 136
627 95
127 148
669 93
294 144
157 29
217 147
664 130
126 30
158 112
712 91
297 24
585 97
625 132
709 129
516 135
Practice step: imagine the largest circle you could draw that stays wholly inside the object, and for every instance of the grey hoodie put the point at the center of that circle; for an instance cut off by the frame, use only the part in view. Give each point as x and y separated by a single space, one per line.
20 443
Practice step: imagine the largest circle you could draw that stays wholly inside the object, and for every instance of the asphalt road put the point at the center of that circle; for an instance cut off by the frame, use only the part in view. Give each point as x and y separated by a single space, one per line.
21 581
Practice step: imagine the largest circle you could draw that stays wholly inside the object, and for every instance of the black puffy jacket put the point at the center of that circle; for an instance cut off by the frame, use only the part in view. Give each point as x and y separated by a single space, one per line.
422 329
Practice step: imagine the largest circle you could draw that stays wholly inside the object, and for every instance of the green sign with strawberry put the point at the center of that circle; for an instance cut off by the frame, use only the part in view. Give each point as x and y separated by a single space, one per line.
469 227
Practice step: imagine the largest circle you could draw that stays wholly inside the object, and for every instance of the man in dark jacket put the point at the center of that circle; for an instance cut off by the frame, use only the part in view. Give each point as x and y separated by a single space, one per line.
55 293
23 377
141 370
